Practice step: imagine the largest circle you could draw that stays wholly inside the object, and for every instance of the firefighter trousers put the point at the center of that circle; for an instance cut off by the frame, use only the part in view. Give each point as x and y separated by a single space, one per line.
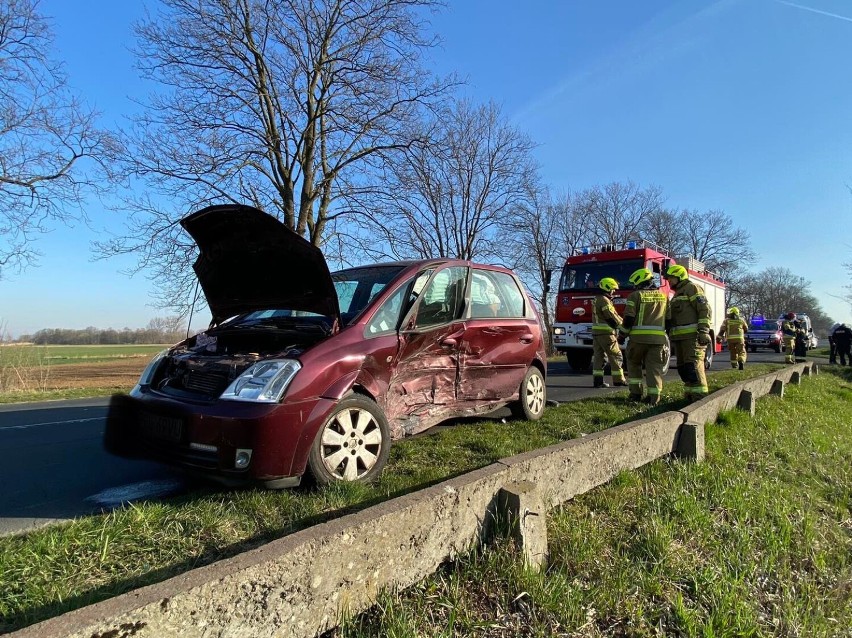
651 357
690 367
738 352
789 349
605 348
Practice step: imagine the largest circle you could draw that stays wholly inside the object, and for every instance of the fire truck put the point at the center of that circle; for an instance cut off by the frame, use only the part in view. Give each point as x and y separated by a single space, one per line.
578 285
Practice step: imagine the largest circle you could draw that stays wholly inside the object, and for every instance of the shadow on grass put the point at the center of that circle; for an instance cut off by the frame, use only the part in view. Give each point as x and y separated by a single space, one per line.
585 417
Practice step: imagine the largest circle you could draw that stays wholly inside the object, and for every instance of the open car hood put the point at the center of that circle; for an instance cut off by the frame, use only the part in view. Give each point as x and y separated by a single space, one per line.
248 260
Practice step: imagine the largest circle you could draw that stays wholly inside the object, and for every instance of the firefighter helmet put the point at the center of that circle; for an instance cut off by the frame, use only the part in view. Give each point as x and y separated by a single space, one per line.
641 276
676 270
791 315
733 311
608 284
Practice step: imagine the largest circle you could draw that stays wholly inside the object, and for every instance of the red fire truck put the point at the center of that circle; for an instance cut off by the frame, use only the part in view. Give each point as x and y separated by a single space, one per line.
578 285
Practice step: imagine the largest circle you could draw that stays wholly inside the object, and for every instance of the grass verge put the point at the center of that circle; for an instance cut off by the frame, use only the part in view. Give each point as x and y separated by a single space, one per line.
49 571
756 541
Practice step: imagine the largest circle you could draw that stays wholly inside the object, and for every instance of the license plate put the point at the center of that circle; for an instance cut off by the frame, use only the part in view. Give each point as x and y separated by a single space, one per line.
156 426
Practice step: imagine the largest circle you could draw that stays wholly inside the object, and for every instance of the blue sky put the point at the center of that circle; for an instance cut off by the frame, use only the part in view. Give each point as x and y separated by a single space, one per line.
738 105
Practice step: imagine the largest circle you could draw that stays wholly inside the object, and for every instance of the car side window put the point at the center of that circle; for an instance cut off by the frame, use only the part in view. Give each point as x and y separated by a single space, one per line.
510 295
388 316
442 300
484 300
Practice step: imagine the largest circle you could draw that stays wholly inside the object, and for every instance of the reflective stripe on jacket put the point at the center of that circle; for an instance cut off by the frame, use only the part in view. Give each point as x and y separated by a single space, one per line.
688 311
602 309
648 307
734 328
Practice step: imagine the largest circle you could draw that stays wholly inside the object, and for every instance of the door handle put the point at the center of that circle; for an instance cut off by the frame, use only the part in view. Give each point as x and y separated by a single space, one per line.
526 338
449 342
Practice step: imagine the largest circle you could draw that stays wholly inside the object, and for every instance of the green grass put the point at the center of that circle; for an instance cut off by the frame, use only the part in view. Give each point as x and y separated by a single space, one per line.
55 569
755 541
30 355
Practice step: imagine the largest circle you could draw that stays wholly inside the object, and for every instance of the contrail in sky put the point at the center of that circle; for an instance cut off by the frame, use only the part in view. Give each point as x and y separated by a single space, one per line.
811 9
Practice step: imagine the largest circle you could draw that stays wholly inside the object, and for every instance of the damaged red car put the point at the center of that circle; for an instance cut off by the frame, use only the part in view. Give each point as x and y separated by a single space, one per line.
303 370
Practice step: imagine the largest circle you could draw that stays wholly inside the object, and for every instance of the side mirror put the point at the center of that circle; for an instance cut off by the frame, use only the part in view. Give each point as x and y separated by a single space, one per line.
548 275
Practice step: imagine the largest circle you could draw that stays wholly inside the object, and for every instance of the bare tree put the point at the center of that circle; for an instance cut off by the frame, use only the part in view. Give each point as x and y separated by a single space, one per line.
450 196
534 245
46 134
618 211
267 103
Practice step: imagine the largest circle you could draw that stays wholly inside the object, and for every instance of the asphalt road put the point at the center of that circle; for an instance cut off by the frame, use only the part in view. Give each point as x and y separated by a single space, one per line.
54 466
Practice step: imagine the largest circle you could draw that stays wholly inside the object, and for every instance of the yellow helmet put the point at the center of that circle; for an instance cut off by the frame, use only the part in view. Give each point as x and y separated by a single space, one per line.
608 284
734 311
676 270
641 276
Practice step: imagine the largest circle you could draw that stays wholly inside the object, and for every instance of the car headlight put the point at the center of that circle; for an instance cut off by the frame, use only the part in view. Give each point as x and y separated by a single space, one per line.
148 373
264 382
559 330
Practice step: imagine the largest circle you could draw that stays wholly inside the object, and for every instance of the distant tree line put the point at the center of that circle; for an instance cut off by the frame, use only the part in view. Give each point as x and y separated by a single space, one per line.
158 330
325 115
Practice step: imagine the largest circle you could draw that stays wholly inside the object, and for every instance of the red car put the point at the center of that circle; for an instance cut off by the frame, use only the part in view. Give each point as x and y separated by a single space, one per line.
306 370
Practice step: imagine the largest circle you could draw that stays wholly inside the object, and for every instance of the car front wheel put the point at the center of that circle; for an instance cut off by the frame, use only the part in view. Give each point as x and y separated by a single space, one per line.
533 396
352 445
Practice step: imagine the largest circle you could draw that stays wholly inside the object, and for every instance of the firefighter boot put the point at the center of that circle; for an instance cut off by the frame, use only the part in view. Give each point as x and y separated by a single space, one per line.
741 365
599 383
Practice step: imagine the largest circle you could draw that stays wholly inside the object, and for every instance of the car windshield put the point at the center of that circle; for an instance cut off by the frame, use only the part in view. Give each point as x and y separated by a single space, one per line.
588 276
357 287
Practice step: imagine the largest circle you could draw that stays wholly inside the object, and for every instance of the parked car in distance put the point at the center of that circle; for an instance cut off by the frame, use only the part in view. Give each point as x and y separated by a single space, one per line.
307 371
763 333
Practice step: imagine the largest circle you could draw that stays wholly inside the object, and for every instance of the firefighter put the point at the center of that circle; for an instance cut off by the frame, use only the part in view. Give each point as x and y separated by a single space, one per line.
801 350
788 331
843 341
688 323
735 329
606 322
645 323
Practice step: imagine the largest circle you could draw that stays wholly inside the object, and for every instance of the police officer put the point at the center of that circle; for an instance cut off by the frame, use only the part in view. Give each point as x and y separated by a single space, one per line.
735 329
843 340
832 347
788 333
605 323
688 322
645 322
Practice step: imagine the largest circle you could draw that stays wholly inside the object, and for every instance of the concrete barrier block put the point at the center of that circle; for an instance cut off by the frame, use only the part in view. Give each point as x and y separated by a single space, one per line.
778 388
707 409
565 470
759 386
796 378
746 402
814 368
302 584
690 443
520 503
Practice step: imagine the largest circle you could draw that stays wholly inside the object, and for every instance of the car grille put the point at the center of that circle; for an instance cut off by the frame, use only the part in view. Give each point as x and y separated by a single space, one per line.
211 383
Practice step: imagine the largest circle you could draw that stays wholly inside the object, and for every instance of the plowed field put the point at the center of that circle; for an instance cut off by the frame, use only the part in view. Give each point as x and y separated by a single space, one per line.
117 373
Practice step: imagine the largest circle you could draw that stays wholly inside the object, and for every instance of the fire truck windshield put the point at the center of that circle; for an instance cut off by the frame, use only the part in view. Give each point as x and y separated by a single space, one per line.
587 276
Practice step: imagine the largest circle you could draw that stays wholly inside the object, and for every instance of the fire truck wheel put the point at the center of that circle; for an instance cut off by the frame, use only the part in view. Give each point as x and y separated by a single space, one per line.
579 360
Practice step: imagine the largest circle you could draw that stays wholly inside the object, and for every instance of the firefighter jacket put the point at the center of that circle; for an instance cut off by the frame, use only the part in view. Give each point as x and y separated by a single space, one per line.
688 311
645 316
734 328
605 319
789 328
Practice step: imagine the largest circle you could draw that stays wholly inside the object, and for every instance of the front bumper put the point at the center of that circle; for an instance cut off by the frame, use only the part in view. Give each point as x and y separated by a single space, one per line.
207 437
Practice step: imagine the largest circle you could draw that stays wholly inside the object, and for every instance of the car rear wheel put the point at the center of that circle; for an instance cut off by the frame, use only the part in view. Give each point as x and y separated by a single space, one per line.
533 396
352 445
